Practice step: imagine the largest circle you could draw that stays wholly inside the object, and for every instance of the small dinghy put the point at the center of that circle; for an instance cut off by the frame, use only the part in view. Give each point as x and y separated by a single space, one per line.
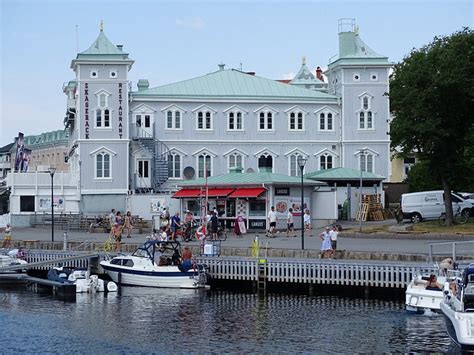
81 278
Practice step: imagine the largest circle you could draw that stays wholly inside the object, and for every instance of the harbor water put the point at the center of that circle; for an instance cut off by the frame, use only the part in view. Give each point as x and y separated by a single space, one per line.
146 320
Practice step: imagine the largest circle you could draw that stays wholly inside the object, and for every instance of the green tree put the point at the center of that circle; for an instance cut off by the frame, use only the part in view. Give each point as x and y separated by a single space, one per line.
421 179
432 99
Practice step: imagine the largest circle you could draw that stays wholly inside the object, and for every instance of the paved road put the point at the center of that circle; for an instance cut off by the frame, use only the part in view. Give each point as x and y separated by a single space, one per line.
409 244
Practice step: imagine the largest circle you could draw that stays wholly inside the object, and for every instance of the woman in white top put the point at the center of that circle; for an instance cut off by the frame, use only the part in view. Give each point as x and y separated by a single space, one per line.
307 220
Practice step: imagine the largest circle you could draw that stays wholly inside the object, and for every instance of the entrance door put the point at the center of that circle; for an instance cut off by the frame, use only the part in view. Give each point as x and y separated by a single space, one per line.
144 124
143 173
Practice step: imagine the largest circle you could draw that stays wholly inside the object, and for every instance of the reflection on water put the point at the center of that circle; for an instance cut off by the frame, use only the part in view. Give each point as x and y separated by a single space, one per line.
143 320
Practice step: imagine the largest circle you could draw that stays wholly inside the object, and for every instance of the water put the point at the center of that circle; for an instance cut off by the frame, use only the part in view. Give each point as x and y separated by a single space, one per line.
145 320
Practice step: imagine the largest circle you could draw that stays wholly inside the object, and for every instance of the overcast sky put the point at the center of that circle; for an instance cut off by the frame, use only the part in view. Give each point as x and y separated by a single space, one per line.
172 41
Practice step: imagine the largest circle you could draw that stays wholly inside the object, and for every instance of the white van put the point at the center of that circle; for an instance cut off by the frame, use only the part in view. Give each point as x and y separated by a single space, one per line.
418 206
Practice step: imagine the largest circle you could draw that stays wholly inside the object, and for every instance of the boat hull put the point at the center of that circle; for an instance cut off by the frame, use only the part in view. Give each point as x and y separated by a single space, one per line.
169 277
418 299
460 327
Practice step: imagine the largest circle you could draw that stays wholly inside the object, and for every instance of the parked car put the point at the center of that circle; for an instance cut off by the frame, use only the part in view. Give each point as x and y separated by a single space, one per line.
418 206
468 197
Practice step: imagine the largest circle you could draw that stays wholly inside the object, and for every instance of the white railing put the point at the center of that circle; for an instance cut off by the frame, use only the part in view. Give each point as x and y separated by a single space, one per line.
40 179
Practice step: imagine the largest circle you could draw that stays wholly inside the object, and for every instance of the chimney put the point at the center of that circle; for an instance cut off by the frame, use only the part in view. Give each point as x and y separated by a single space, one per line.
221 66
120 47
143 84
319 74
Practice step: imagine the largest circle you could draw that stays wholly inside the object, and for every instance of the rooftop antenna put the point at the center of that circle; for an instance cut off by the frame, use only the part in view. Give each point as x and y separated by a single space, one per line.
101 25
241 66
77 39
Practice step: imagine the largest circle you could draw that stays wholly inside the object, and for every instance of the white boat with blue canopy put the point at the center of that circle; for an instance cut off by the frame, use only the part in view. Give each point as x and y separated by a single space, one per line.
156 264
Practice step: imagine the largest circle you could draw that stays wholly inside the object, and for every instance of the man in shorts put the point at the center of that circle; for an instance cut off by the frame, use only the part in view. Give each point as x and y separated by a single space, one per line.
290 223
272 219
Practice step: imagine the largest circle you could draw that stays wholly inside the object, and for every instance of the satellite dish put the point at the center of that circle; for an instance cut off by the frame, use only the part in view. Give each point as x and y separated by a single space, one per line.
188 172
249 171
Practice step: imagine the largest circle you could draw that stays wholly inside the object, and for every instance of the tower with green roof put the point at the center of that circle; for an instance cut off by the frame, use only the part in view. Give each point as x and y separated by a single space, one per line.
98 123
360 77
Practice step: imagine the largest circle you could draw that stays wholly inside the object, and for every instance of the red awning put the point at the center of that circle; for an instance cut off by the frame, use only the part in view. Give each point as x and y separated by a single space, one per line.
247 192
217 192
187 193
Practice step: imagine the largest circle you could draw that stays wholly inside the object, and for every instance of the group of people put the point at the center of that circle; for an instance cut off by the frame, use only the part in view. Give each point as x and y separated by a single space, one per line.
171 227
329 242
118 224
290 222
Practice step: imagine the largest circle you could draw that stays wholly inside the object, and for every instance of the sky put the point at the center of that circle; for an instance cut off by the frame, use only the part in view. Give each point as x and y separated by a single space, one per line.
177 40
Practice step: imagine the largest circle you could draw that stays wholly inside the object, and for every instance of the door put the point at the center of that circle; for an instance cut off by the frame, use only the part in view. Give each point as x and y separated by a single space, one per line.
432 205
144 123
143 175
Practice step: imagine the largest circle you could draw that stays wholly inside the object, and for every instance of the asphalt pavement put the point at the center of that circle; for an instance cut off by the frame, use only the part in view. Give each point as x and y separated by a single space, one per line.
374 242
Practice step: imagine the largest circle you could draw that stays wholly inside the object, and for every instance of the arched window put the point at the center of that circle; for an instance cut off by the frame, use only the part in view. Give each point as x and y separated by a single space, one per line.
174 165
102 166
204 164
265 163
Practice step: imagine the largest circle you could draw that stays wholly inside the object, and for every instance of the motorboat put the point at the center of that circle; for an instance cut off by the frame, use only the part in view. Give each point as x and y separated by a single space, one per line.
419 299
11 258
81 278
156 264
458 309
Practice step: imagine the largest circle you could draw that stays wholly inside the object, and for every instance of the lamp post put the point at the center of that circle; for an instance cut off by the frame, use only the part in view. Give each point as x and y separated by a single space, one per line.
52 170
361 153
301 163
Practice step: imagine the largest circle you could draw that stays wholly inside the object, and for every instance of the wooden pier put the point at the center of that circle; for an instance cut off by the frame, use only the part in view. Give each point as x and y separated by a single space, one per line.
380 274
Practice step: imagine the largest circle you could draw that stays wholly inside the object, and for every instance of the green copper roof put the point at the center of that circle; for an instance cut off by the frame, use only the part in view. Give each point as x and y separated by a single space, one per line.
47 138
353 51
234 84
342 174
305 77
102 48
239 179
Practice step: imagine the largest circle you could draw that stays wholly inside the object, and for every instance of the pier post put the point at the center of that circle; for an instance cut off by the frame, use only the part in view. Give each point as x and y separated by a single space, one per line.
311 289
366 291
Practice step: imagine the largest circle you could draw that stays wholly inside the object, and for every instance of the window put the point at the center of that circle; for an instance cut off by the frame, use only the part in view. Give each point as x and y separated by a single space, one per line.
235 160
294 167
235 121
204 120
113 74
144 169
204 164
366 113
265 121
367 162
296 121
102 166
374 77
326 122
173 119
102 113
174 166
325 161
265 163
356 77
94 74
257 208
27 203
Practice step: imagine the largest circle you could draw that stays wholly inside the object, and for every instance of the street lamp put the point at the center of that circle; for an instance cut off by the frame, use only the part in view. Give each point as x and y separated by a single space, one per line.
301 163
52 170
361 153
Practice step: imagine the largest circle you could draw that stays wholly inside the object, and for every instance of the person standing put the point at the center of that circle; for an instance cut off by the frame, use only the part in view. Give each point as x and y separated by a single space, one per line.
307 221
7 239
290 223
112 218
175 224
214 226
128 224
333 233
326 242
272 220
186 258
117 233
